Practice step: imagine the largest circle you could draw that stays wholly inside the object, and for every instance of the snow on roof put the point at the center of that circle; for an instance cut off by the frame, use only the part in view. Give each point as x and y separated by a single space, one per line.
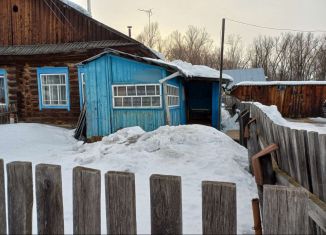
276 83
76 7
157 53
192 71
273 113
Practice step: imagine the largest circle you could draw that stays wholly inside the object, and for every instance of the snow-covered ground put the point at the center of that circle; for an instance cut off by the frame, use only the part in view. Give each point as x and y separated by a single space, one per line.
194 152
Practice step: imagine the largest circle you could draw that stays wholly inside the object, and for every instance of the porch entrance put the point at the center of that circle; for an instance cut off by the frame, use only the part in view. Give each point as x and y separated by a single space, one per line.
199 102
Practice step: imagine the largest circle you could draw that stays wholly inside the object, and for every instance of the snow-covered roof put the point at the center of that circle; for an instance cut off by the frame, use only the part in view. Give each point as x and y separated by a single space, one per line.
245 75
186 69
76 7
276 83
192 71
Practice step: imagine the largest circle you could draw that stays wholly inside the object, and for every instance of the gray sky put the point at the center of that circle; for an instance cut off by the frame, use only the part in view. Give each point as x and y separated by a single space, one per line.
178 14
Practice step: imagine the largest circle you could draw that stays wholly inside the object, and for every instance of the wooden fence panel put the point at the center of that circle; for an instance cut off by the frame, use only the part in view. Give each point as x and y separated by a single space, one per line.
299 154
289 152
322 157
120 203
86 201
20 197
314 163
285 210
49 199
253 144
166 204
3 224
219 208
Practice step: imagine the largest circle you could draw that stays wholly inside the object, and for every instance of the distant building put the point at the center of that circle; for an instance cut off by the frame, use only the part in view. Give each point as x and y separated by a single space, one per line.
123 90
246 75
40 43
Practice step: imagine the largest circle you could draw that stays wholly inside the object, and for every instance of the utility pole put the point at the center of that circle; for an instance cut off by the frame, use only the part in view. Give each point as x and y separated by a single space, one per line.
221 75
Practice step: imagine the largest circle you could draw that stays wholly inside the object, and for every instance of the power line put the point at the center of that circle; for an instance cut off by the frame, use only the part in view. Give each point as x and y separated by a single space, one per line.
278 29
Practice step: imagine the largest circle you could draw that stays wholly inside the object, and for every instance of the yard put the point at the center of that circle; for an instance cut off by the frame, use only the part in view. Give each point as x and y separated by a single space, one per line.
194 152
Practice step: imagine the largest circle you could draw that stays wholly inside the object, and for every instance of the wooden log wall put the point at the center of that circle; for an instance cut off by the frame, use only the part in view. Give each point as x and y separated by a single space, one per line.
120 194
301 154
297 101
29 22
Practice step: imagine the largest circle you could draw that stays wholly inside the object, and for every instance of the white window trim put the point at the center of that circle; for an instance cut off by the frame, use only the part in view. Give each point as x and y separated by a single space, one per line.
83 84
174 96
4 88
137 96
58 85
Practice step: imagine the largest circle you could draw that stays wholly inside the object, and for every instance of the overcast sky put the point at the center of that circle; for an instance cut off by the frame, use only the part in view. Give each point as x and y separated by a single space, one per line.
178 14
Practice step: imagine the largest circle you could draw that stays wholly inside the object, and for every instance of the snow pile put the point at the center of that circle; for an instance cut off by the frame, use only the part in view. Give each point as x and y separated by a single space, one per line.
228 122
273 113
194 152
76 7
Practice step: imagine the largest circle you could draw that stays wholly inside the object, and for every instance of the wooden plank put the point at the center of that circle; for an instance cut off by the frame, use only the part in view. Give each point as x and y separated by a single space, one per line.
120 203
253 144
166 204
3 224
20 197
317 207
314 163
86 201
322 158
219 208
49 199
285 210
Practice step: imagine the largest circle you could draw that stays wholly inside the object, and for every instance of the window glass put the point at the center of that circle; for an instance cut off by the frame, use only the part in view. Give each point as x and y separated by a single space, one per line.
54 89
137 96
173 95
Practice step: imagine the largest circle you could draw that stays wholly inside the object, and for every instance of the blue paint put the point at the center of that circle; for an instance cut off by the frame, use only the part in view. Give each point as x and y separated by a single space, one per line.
215 104
4 74
53 70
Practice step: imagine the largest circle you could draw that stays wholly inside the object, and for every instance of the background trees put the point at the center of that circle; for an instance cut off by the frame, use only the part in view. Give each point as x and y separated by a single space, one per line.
291 56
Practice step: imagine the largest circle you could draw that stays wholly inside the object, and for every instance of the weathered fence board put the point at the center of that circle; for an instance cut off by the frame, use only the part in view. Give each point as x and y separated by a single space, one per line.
219 211
49 199
3 224
86 201
253 144
20 197
285 210
120 203
166 204
322 146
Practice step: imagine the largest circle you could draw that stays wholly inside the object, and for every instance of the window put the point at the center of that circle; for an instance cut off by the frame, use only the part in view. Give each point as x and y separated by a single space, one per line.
173 95
137 96
83 87
53 88
3 95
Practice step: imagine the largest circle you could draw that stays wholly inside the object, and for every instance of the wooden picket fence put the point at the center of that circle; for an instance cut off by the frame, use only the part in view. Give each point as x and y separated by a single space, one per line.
301 153
219 210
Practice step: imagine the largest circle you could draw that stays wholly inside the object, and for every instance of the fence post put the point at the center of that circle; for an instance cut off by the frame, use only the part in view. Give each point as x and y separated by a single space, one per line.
49 199
219 208
120 203
86 201
3 224
20 197
285 210
166 204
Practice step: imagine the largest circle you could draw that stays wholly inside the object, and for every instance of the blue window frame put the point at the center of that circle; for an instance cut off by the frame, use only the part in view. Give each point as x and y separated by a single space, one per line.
4 99
53 88
82 85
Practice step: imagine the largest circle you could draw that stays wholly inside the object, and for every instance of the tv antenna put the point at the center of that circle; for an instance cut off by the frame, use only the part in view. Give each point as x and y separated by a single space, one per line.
149 12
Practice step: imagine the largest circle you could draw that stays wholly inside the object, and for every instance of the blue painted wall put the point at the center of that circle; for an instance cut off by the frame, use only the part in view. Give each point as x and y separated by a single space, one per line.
108 70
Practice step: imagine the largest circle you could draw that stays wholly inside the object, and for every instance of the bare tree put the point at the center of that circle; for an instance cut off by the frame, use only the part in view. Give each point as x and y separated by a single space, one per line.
151 36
